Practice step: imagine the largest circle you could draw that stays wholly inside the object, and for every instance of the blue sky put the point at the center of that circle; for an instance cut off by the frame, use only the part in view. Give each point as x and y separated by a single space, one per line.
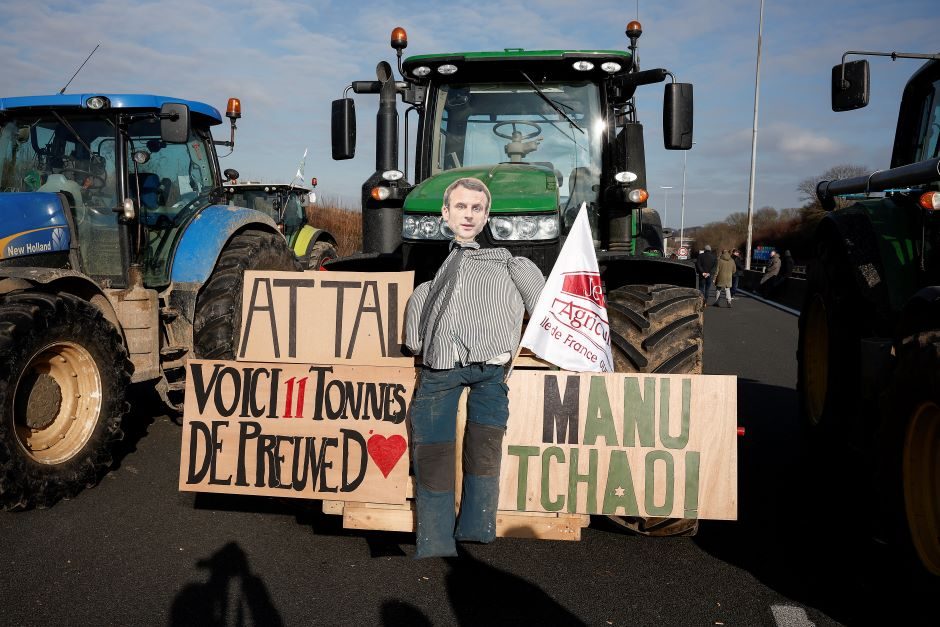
288 59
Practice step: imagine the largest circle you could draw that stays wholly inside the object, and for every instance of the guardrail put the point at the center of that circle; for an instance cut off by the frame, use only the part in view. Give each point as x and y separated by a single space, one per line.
791 293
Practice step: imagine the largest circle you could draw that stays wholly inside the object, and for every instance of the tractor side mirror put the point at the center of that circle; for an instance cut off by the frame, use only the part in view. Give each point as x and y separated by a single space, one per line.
174 123
343 129
677 116
623 88
850 85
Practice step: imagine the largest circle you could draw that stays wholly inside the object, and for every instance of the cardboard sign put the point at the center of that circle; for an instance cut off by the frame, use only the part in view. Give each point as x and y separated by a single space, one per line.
325 317
621 444
335 432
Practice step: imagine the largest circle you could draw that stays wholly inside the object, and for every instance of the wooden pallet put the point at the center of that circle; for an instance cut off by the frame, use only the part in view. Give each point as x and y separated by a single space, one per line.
509 524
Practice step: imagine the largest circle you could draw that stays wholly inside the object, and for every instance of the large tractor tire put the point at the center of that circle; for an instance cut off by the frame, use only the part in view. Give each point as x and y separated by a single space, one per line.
63 375
319 254
217 324
832 321
656 329
910 454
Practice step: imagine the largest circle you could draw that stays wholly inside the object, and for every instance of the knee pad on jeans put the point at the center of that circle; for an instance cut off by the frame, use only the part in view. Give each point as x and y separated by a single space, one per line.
434 466
483 448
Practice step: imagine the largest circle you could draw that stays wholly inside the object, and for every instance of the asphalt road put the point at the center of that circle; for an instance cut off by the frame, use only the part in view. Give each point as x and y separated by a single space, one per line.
134 550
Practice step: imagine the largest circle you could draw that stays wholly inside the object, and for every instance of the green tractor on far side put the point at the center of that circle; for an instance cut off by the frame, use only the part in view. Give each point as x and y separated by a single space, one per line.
869 347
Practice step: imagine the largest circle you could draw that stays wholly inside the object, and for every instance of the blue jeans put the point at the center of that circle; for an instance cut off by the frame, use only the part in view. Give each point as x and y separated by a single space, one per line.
706 286
433 419
735 282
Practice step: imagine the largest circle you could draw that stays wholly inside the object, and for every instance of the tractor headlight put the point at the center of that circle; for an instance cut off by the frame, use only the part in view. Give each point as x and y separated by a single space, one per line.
97 102
408 227
425 227
501 227
524 227
428 227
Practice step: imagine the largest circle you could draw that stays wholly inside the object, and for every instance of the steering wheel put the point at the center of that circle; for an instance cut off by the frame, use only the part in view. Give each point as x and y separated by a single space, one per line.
514 123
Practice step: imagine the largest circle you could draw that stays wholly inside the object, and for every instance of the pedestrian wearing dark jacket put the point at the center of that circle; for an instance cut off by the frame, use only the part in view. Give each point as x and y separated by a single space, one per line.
786 269
724 277
770 274
738 271
705 265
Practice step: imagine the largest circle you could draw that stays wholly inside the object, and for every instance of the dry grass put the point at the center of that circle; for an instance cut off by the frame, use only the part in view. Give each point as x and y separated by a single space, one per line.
344 223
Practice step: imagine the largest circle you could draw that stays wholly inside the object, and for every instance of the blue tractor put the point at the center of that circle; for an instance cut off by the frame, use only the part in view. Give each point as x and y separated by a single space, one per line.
119 259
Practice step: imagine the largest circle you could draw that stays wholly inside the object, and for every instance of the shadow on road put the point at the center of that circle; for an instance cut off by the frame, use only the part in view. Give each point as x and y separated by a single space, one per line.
803 533
231 596
136 423
399 613
481 594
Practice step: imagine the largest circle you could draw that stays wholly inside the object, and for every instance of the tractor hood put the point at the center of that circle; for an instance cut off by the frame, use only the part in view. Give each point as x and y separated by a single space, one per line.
515 187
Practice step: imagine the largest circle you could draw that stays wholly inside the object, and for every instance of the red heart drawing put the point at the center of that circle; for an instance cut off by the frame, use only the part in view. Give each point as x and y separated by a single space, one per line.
386 452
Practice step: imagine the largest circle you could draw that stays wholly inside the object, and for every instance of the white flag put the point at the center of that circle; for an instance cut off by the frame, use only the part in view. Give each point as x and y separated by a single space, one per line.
300 168
569 326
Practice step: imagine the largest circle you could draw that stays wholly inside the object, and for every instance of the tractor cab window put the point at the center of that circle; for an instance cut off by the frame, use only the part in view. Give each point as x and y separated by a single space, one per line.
284 205
488 123
295 213
929 134
73 156
169 183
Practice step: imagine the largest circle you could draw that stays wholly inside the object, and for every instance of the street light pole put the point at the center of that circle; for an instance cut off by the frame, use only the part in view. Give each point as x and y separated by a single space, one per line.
665 213
750 193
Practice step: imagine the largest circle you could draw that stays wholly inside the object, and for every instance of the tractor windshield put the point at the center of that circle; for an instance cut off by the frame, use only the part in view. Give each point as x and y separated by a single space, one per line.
283 204
74 155
558 125
929 147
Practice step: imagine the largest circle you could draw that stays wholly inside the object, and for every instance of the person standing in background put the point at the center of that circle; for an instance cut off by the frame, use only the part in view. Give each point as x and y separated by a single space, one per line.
724 277
705 265
738 271
770 275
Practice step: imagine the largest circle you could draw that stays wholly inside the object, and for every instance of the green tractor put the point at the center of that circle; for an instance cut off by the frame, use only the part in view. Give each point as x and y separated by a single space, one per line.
546 130
869 347
286 205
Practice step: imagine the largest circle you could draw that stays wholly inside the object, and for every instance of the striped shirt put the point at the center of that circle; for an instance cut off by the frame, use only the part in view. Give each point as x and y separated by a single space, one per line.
483 319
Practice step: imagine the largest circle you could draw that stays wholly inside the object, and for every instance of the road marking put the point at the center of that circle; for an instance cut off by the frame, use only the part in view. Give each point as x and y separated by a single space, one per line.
791 616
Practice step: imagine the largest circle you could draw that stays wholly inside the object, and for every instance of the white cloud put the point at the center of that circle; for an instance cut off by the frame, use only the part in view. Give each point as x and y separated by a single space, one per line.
287 59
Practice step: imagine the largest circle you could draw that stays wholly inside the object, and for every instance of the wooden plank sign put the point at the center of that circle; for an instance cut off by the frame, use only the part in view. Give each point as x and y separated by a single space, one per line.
325 317
621 444
335 432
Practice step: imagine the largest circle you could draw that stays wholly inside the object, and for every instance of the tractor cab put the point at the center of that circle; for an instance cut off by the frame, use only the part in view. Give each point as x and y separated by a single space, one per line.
116 161
285 204
547 130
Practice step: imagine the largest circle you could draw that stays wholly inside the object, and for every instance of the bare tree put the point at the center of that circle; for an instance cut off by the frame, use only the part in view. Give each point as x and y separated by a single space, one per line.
807 187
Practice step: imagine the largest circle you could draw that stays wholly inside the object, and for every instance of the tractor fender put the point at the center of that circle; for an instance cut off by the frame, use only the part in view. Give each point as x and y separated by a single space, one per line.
308 236
619 269
205 237
877 238
58 280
